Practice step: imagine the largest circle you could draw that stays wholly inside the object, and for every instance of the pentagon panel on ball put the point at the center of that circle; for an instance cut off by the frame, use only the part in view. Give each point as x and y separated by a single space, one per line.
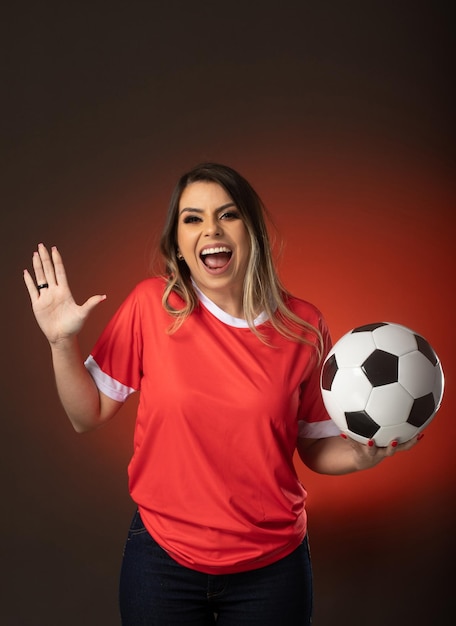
382 381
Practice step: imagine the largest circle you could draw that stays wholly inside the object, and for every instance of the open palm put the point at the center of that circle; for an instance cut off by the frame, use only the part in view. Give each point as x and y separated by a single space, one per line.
56 312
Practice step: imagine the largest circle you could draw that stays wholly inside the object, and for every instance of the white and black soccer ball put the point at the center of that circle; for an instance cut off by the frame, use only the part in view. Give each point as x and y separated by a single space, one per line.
382 381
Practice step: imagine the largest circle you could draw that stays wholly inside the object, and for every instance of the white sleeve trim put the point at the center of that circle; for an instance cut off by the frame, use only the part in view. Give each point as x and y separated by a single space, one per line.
317 430
106 384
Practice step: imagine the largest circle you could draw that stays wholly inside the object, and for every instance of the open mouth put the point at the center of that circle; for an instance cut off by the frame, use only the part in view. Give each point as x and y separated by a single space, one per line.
216 257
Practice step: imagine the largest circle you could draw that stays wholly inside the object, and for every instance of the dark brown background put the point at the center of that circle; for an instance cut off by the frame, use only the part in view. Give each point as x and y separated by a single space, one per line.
341 115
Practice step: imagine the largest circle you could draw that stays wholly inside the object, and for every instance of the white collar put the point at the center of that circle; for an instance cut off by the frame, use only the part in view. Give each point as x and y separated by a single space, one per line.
224 317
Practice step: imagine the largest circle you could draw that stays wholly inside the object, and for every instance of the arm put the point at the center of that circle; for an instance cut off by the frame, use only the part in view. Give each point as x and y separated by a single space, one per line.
336 456
86 406
61 319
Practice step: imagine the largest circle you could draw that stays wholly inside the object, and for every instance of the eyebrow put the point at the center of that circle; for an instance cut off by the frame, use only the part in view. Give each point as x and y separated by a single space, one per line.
195 210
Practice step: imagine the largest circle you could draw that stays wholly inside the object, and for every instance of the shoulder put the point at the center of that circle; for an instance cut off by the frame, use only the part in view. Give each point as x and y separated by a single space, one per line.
144 294
150 286
307 311
150 291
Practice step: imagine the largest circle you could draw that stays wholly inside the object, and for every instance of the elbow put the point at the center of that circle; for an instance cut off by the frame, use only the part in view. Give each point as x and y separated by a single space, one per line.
81 430
310 452
92 418
82 427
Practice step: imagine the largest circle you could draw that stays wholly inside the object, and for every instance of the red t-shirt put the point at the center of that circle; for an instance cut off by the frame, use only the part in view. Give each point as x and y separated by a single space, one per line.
212 469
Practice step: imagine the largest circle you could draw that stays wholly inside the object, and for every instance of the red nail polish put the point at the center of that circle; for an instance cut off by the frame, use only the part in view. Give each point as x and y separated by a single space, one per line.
394 444
370 443
420 437
343 435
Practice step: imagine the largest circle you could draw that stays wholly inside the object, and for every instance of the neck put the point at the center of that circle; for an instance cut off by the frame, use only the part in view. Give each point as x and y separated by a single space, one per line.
229 300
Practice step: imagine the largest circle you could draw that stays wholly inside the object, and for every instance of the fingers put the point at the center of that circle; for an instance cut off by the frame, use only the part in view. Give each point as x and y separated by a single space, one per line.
31 287
91 303
391 448
49 273
367 455
410 443
395 446
59 268
43 267
371 448
44 273
48 269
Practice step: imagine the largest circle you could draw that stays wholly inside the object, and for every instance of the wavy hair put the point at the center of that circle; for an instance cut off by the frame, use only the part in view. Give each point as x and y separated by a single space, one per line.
263 290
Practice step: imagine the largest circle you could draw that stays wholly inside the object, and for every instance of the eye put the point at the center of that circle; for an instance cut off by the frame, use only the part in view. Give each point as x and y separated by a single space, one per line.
191 219
230 215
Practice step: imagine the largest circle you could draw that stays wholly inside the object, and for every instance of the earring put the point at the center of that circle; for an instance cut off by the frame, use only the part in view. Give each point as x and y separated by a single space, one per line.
179 256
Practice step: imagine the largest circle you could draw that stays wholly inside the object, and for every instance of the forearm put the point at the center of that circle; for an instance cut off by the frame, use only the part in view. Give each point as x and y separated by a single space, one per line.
338 455
331 455
75 386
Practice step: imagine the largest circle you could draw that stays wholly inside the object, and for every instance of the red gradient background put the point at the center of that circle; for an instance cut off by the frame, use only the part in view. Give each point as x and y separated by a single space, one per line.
342 120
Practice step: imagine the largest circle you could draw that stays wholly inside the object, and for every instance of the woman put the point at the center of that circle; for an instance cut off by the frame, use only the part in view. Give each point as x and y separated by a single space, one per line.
227 364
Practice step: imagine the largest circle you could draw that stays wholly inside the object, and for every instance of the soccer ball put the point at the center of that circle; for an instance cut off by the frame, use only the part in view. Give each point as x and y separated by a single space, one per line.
383 382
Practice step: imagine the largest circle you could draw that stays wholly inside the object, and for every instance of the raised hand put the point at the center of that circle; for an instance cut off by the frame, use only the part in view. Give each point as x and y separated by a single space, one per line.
56 312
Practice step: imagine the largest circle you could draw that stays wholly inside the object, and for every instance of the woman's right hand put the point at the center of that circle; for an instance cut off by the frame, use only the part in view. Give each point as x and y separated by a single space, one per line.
56 312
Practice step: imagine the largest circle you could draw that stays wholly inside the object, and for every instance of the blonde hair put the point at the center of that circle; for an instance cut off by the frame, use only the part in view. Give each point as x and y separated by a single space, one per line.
263 291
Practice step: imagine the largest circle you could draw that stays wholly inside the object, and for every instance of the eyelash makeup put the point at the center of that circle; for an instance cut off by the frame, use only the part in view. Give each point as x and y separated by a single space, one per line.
191 219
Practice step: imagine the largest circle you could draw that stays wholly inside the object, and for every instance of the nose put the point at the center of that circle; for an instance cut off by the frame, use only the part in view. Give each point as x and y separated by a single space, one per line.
212 227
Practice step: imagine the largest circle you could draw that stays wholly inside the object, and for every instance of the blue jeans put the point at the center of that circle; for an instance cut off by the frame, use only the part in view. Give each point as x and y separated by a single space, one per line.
156 591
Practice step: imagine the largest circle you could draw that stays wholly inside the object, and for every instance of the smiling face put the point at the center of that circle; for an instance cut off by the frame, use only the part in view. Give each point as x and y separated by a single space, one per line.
214 242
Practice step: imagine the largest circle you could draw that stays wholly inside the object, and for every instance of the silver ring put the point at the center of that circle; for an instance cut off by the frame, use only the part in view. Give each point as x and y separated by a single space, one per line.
43 286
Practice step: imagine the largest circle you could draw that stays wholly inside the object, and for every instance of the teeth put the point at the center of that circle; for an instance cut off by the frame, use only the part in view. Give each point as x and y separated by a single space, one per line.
215 250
